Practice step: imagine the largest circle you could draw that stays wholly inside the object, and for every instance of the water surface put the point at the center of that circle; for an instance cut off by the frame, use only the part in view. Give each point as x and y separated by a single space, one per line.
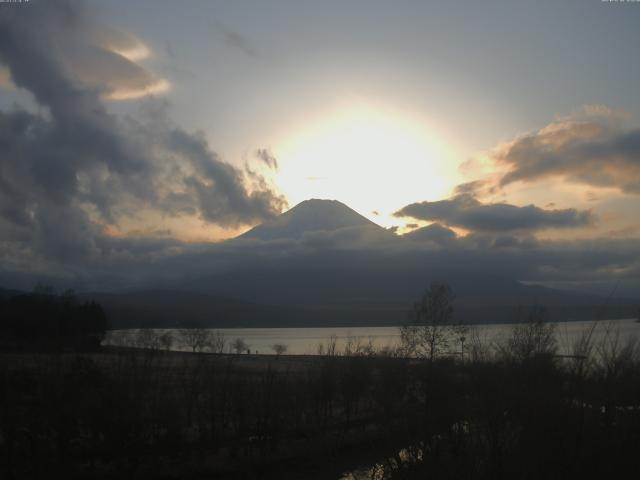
301 341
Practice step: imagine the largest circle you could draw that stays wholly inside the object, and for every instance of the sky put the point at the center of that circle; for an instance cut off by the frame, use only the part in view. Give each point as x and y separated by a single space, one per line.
136 131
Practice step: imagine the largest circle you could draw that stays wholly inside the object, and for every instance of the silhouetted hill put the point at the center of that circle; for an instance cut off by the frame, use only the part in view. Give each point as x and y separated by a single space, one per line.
175 308
44 320
6 293
377 295
326 297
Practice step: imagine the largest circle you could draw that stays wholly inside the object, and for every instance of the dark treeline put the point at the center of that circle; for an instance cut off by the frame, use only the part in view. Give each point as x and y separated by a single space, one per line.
512 412
43 320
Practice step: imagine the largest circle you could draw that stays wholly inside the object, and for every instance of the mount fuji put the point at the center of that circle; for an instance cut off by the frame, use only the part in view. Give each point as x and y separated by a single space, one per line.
310 216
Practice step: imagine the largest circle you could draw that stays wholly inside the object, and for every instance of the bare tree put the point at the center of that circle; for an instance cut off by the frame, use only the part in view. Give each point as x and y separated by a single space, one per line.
217 342
166 340
479 347
331 345
369 348
614 352
279 348
432 328
197 338
239 345
148 339
353 346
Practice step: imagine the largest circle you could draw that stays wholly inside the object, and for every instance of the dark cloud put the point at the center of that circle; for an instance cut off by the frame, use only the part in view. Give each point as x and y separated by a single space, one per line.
267 158
472 188
73 169
467 212
627 232
219 188
236 40
511 241
87 54
594 151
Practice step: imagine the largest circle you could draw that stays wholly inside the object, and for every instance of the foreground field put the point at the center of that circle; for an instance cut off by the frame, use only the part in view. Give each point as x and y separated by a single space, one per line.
126 413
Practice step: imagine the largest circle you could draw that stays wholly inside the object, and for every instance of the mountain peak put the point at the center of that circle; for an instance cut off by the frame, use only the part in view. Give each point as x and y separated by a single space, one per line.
313 215
317 203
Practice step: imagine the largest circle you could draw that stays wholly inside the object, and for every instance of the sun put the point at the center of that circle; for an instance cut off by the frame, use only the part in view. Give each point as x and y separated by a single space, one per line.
374 160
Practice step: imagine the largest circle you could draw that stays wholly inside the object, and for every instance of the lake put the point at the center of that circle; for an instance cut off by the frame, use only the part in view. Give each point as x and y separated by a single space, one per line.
305 341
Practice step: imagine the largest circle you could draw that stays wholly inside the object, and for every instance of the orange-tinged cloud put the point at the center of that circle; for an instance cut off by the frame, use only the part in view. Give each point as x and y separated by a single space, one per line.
123 43
590 149
110 64
160 87
5 78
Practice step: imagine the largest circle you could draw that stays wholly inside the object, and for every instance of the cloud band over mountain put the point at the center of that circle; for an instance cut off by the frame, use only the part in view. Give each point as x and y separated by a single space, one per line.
467 212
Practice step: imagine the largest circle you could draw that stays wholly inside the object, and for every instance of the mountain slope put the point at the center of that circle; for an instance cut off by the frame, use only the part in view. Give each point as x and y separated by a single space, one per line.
177 308
357 291
315 301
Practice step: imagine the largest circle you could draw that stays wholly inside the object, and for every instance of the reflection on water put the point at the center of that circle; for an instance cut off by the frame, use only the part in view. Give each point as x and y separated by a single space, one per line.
305 341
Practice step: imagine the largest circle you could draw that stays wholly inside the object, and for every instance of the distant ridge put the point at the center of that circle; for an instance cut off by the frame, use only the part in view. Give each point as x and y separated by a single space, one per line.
314 215
330 275
433 233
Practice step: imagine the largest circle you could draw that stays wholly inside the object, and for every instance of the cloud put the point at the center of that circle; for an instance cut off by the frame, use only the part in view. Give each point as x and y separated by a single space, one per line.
486 241
435 233
5 78
592 150
467 212
236 40
111 67
89 54
218 187
267 158
72 170
472 188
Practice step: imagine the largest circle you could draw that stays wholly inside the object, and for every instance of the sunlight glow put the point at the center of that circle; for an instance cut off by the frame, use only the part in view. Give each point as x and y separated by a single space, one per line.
134 51
160 86
5 78
373 160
